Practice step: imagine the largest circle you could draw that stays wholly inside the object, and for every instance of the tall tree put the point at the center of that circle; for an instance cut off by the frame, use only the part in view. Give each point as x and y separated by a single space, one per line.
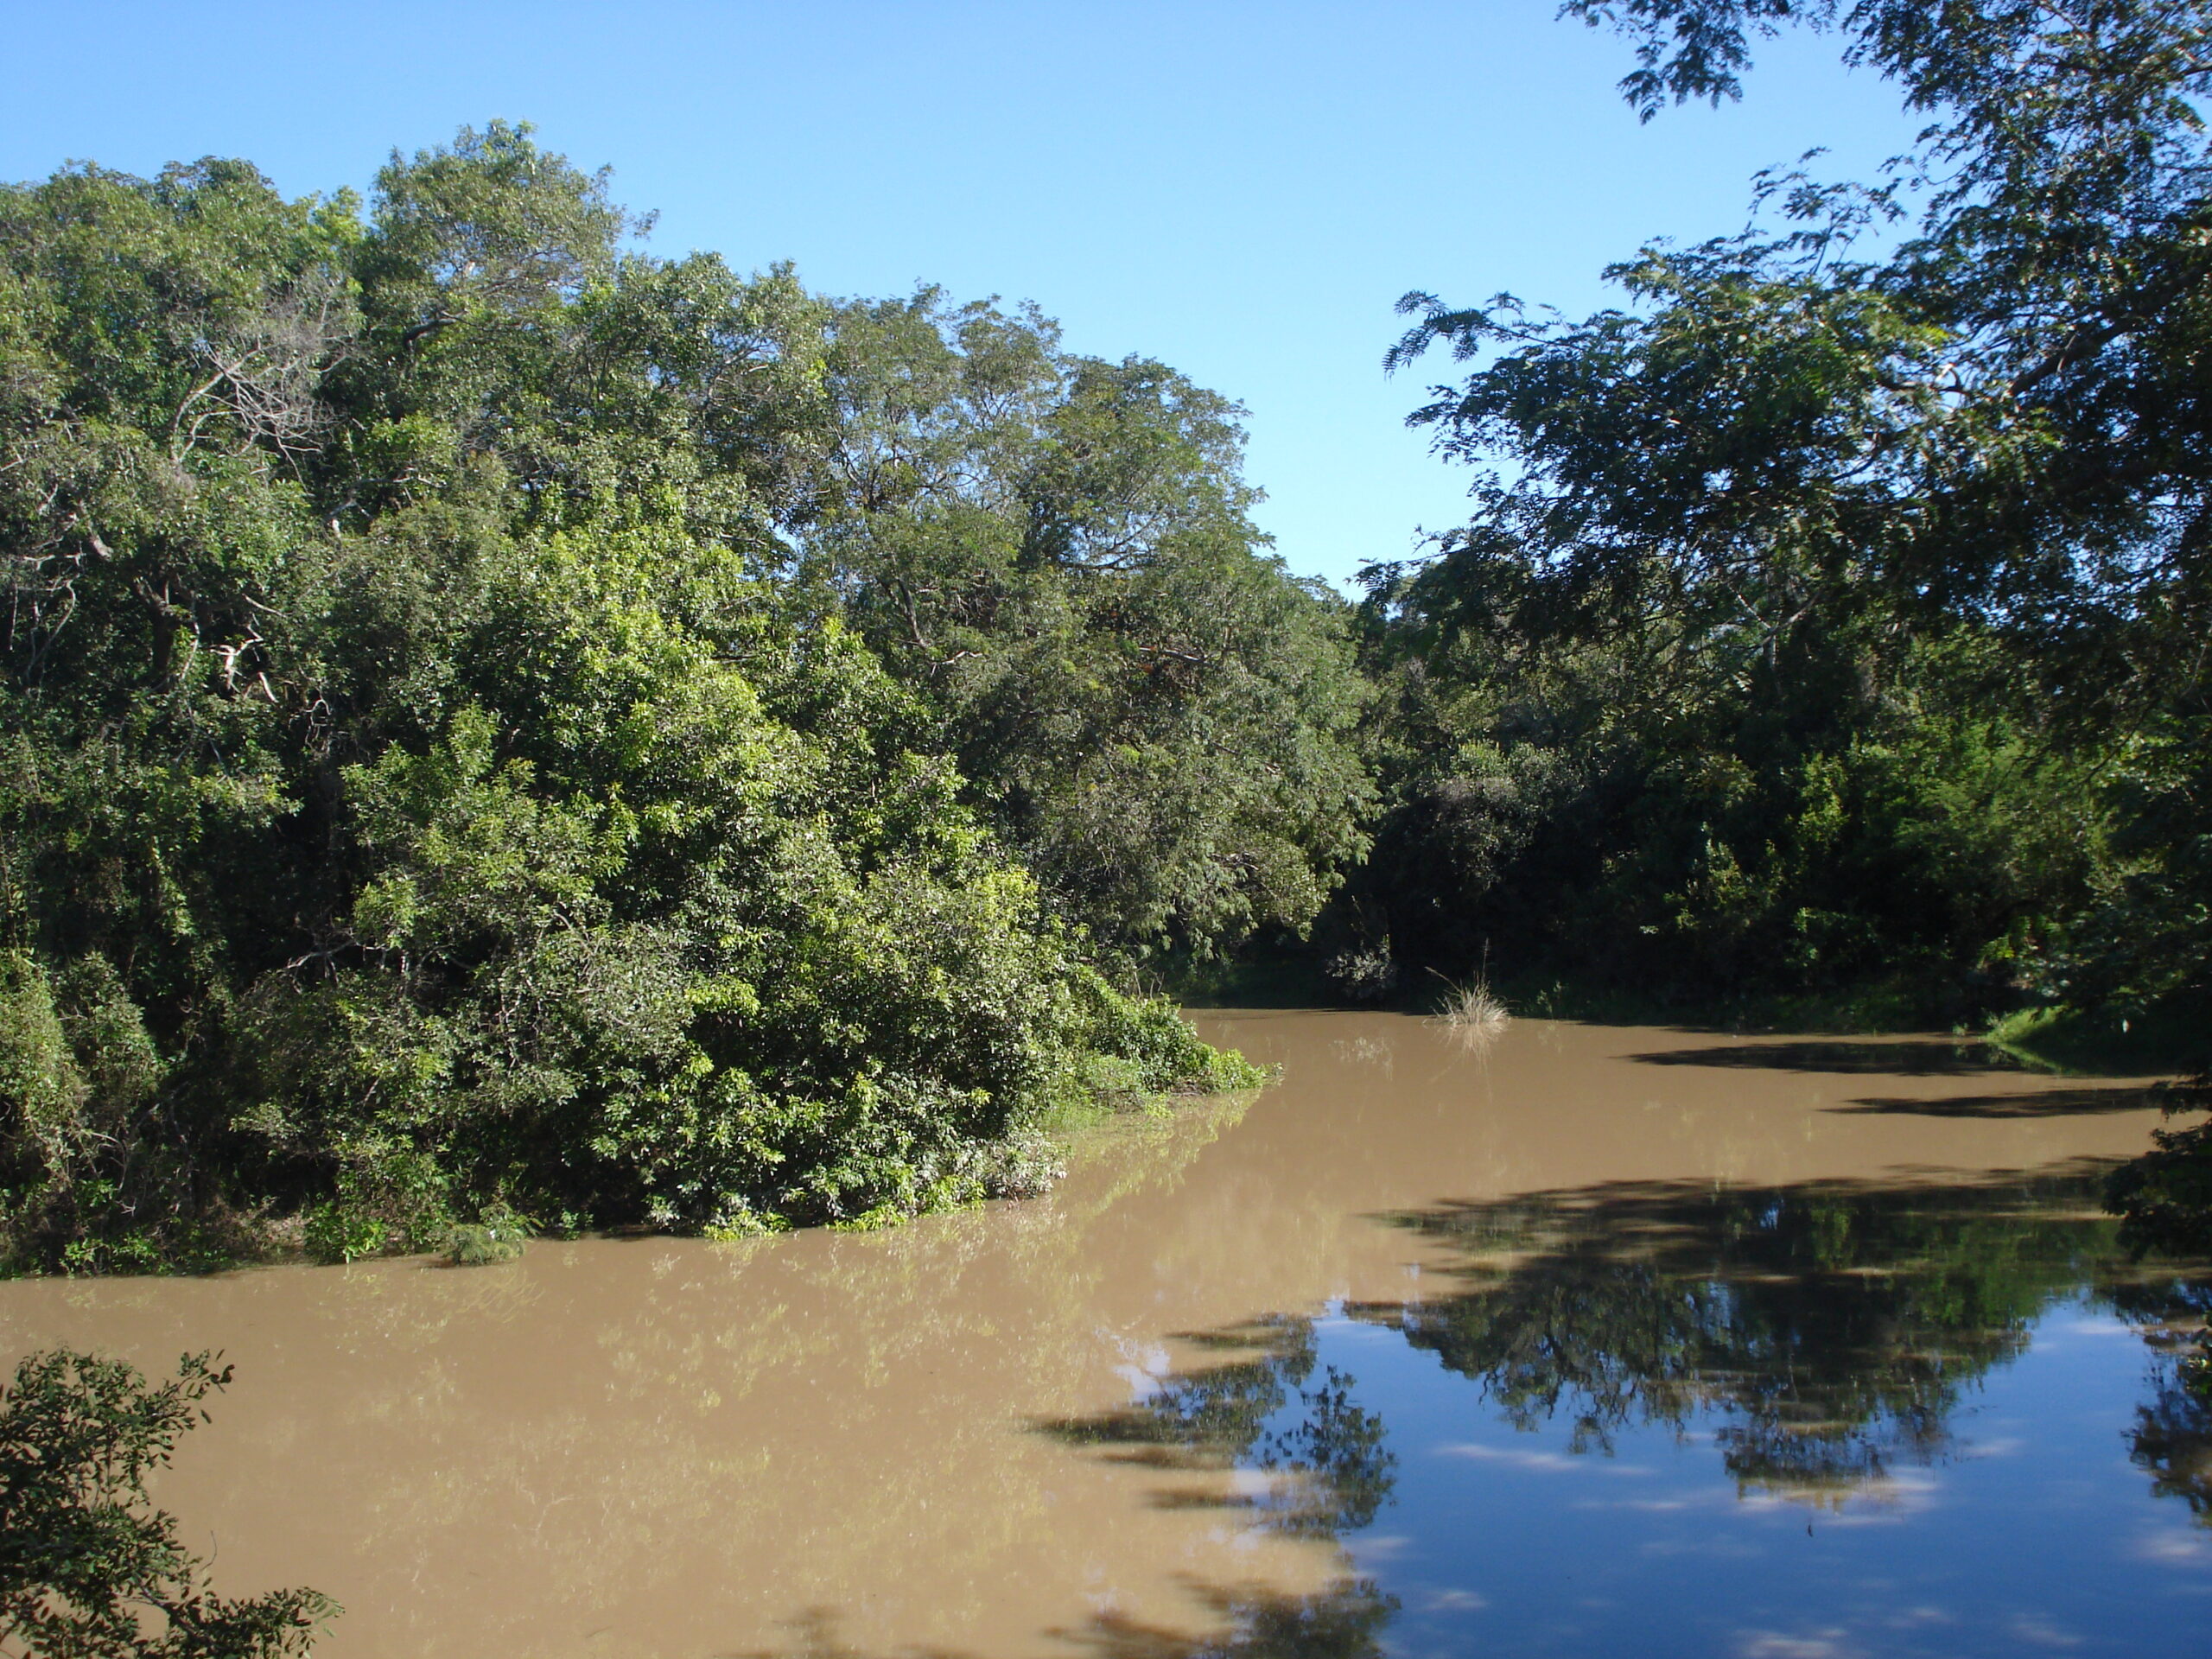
1055 550
430 784
1900 538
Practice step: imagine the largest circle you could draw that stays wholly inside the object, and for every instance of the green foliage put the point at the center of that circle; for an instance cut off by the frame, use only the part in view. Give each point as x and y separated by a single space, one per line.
449 766
40 1084
2165 1198
498 1235
1054 552
1708 836
1831 624
336 1232
1154 1049
1831 620
88 1569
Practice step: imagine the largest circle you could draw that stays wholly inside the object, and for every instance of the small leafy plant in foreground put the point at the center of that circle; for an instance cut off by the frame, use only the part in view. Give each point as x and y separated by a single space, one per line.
88 1568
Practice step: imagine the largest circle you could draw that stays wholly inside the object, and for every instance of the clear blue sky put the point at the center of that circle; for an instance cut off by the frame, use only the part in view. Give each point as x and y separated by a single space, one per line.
1240 190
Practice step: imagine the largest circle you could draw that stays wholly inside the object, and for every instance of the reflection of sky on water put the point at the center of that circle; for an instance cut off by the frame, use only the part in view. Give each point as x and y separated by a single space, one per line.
1957 1427
824 1443
2033 1531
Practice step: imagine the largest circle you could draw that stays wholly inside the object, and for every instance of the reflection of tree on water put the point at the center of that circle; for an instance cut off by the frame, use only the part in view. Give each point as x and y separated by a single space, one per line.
1344 1623
1831 1328
2171 1439
1332 1468
1260 1411
1823 1334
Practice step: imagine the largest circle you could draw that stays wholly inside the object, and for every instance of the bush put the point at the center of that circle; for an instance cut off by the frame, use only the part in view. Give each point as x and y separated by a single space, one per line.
498 1235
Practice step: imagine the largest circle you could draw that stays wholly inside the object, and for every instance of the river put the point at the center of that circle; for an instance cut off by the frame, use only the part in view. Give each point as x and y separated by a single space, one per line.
1585 1340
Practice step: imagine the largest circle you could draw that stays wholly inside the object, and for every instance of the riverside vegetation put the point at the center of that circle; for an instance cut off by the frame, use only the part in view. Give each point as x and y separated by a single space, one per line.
498 720
505 731
500 724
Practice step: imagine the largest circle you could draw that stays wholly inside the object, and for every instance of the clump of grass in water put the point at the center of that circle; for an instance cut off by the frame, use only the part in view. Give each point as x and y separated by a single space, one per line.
1472 1012
497 1235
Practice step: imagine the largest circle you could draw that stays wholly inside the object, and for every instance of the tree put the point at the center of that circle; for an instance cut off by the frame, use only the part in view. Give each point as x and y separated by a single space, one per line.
433 783
88 1569
1897 554
1054 551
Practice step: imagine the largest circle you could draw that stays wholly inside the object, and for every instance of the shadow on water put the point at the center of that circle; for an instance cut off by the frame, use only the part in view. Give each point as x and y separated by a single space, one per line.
2171 1439
1905 1057
1818 1340
2049 1103
1319 1467
1347 1622
1328 1469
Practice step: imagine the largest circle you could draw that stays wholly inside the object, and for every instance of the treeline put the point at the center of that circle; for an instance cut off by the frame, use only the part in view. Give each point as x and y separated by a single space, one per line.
500 722
495 719
1831 626
1833 631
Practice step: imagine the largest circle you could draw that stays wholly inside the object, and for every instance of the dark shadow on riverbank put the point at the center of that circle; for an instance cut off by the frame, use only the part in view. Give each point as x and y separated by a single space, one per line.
2049 1103
1899 1056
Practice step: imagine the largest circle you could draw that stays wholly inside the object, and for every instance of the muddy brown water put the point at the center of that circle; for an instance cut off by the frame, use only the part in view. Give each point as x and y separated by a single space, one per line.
1592 1339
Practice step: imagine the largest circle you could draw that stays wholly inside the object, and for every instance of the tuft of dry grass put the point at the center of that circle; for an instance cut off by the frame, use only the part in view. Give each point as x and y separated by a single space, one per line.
1473 1013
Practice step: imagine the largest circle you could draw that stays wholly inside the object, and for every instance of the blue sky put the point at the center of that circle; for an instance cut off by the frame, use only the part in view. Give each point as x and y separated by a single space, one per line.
1241 190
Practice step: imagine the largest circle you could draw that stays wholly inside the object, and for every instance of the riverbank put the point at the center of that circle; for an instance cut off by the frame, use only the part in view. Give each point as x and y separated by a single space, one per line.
2062 1040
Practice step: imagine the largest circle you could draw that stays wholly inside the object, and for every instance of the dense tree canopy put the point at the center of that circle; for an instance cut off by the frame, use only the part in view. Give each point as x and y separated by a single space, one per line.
1054 552
1833 611
455 755
497 717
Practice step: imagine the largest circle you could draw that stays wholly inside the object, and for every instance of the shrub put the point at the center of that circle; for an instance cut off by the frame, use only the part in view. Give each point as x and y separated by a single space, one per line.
497 1234
88 1568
